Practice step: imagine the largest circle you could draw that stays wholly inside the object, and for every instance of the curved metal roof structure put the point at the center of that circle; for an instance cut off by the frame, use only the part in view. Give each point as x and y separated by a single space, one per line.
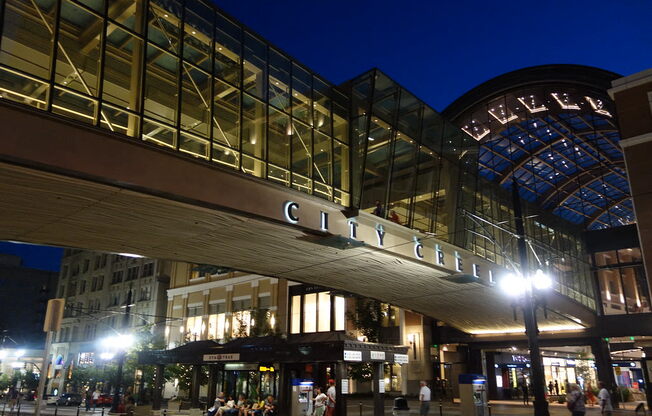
552 130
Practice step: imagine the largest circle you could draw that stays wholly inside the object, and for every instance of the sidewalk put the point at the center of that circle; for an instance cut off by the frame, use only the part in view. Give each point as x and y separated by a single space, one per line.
364 407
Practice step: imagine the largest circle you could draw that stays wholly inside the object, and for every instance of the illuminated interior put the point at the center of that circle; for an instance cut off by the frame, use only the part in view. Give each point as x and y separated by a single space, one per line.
181 76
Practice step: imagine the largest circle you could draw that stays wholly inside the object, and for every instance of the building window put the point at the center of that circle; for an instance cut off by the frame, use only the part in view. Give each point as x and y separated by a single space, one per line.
340 313
310 313
145 293
216 320
622 280
324 312
321 312
148 270
86 358
295 324
241 318
100 282
132 273
195 310
82 287
117 277
264 301
87 263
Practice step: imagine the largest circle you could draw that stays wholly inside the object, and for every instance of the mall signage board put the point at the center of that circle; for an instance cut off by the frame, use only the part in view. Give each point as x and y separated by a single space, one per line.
384 235
222 357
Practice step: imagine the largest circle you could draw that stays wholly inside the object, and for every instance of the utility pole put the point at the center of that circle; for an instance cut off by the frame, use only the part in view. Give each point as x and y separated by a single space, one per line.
53 317
121 359
530 313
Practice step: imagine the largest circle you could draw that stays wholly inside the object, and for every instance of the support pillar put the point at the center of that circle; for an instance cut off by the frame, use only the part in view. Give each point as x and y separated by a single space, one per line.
194 386
157 390
646 364
341 373
284 395
378 380
600 350
212 384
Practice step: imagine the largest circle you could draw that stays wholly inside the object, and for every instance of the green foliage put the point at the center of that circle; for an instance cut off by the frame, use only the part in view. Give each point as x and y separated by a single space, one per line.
367 318
183 373
240 325
361 371
261 325
5 381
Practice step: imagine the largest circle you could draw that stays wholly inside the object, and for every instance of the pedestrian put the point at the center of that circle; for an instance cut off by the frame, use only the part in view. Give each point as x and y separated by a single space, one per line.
88 399
378 210
526 393
605 399
96 397
424 398
575 401
332 395
556 388
13 397
320 402
551 388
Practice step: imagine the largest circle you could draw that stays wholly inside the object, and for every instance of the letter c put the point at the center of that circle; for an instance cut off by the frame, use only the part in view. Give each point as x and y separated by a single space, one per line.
288 209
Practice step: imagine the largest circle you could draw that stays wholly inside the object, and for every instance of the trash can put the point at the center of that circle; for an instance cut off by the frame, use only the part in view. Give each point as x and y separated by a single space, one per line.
400 407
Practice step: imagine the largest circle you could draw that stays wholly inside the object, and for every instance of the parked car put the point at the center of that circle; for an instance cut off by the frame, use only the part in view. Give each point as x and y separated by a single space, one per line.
69 399
105 400
51 399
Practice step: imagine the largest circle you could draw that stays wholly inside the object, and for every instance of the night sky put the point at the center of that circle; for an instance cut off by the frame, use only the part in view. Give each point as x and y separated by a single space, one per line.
438 49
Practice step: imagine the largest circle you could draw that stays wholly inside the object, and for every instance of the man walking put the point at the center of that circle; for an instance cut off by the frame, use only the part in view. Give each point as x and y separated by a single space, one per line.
424 398
605 400
330 406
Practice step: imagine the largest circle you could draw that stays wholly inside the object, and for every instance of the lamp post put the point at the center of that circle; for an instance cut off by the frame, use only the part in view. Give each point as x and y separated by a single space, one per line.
526 286
116 346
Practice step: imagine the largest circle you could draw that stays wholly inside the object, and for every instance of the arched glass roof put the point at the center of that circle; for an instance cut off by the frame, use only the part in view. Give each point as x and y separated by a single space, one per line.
551 130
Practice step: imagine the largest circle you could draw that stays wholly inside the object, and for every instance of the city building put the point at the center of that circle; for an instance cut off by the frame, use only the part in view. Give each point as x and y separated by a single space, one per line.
27 290
231 152
105 294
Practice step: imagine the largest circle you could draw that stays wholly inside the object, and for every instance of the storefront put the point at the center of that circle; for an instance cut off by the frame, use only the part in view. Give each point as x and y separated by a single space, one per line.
512 370
260 366
629 374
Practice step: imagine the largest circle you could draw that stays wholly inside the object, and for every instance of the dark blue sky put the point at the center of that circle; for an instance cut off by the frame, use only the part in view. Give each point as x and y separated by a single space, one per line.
37 257
438 49
441 49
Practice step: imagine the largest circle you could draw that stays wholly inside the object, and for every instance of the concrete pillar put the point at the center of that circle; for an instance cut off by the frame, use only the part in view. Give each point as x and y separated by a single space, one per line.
157 390
600 350
646 363
341 373
195 384
379 398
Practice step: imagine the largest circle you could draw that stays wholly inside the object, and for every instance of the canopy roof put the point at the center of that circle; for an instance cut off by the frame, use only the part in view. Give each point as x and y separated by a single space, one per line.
552 130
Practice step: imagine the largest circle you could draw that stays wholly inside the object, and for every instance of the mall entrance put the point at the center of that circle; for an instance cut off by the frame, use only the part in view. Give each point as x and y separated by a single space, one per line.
262 366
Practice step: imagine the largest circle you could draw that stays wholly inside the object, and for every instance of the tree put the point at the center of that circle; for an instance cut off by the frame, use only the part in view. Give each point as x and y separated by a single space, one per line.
261 326
367 319
5 382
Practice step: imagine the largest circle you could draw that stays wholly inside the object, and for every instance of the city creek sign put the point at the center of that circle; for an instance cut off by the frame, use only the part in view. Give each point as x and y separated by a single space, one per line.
437 253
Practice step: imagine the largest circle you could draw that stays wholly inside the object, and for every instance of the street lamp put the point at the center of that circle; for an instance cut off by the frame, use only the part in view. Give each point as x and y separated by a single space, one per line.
116 345
526 288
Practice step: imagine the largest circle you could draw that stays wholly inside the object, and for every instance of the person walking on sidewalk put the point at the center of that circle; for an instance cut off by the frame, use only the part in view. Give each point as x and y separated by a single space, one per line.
605 399
575 401
332 395
424 399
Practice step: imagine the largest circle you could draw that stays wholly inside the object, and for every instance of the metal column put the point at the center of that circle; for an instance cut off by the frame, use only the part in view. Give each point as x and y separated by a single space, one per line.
378 380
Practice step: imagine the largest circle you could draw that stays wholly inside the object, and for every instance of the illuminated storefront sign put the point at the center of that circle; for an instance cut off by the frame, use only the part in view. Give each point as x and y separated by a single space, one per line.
221 357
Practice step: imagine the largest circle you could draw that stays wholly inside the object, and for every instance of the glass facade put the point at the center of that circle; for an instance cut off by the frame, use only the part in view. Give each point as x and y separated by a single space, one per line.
560 145
622 280
183 76
413 167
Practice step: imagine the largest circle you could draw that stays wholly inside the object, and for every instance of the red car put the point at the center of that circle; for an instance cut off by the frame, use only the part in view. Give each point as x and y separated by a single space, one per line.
104 400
